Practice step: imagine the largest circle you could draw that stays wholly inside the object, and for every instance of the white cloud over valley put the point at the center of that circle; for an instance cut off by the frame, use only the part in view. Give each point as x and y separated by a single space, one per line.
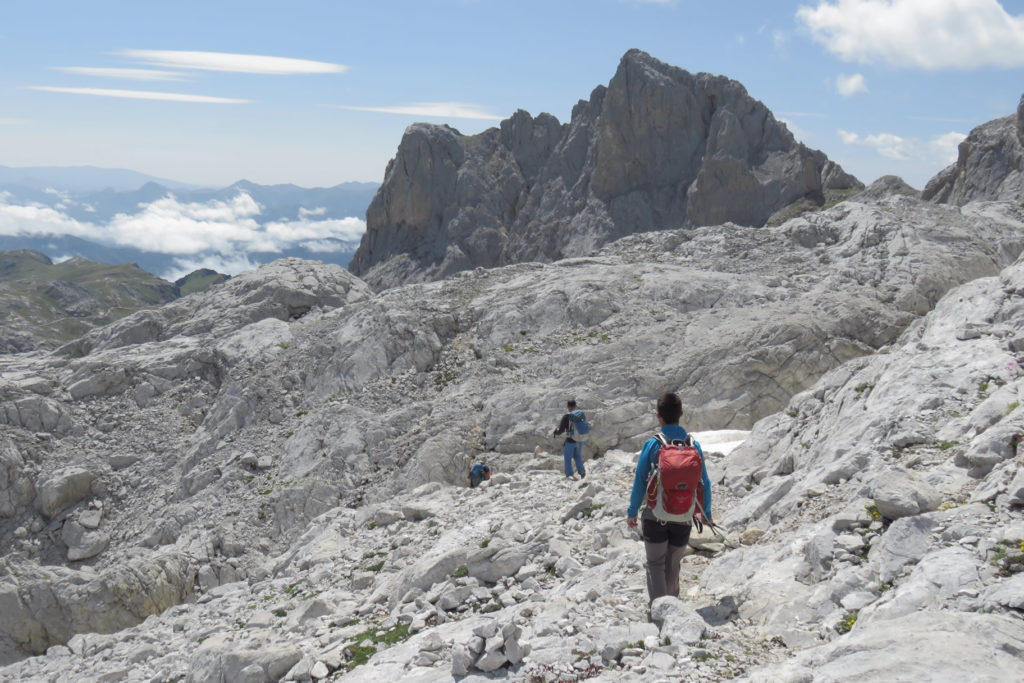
925 34
204 233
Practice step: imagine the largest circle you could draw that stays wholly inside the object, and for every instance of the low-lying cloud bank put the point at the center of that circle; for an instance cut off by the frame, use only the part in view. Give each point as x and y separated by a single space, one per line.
221 235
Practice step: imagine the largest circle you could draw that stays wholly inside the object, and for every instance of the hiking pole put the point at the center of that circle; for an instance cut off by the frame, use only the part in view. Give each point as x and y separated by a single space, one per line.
715 529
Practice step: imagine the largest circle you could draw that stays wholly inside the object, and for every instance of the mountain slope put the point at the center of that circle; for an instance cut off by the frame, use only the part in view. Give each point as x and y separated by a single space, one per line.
266 480
47 304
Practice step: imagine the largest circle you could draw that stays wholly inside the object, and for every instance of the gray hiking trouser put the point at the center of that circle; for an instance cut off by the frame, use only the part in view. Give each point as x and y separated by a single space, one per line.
665 545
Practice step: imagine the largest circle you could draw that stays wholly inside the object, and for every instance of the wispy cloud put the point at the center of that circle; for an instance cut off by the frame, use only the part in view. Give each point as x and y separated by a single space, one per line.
236 63
437 110
124 74
848 86
929 35
940 149
141 95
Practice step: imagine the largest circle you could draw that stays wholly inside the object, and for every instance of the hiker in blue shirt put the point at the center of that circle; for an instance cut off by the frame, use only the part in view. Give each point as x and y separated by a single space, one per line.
572 451
664 542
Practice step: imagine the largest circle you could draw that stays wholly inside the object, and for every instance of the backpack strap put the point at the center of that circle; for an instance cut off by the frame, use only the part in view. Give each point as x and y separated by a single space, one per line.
688 441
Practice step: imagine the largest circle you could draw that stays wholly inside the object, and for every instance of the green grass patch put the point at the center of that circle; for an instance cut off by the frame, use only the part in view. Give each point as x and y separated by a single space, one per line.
360 654
846 623
460 572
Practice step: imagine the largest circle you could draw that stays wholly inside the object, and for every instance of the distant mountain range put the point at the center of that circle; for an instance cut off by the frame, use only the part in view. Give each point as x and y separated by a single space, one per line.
82 178
86 204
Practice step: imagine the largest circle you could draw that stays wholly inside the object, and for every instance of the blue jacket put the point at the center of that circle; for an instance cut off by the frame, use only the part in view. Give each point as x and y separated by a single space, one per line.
643 471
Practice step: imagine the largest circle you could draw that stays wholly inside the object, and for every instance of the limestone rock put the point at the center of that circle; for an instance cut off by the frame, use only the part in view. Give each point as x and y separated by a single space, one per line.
83 542
677 622
657 148
959 645
62 488
989 165
16 487
899 494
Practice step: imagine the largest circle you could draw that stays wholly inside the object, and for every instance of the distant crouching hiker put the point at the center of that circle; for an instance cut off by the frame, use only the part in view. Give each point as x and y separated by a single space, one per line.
478 473
672 485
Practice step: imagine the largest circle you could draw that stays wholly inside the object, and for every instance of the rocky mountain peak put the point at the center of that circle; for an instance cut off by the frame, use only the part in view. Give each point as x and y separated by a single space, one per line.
657 148
989 165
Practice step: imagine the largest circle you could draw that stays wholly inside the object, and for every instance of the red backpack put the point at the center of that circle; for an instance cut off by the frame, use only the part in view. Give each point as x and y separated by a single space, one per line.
674 485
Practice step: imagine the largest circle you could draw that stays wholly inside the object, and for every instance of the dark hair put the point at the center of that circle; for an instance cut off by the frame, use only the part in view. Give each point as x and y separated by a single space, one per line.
571 403
670 408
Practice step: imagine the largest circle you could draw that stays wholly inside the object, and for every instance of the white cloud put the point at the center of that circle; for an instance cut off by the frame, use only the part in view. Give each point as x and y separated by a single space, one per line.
848 86
171 227
779 38
225 230
296 231
946 146
927 34
940 150
437 110
306 213
325 246
230 265
236 63
125 74
888 145
141 95
19 219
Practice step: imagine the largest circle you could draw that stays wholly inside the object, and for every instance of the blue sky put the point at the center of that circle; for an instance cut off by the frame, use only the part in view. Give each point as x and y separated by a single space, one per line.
317 93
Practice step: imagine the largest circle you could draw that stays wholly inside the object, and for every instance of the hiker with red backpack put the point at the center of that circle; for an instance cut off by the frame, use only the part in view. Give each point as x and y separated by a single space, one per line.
672 484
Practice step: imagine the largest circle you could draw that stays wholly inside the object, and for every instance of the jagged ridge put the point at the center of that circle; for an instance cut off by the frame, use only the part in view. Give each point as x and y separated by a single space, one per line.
657 148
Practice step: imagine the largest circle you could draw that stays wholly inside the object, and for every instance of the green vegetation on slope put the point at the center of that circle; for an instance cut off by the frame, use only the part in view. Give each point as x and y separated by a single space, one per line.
44 304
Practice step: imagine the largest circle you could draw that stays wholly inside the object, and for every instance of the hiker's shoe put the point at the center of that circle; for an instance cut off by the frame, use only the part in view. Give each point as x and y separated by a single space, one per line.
583 475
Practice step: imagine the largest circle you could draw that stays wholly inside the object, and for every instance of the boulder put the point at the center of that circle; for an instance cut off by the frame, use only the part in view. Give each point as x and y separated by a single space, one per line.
62 488
901 494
